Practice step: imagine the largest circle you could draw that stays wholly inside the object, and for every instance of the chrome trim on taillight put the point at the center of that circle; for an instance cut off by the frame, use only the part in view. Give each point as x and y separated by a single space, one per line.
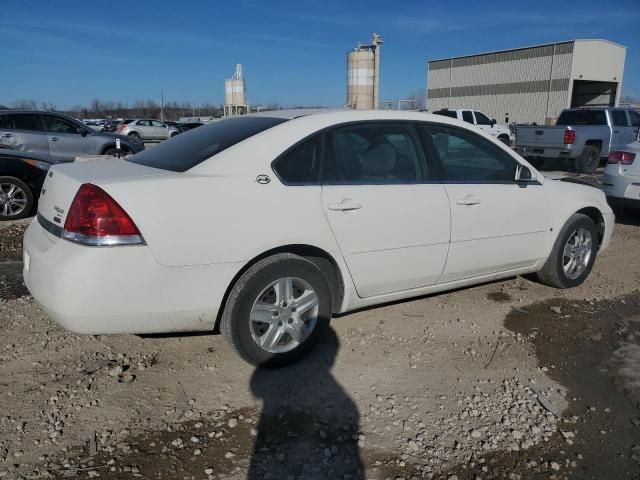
104 241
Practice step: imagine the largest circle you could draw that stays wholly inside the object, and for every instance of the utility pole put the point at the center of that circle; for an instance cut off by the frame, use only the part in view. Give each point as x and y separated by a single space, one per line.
162 105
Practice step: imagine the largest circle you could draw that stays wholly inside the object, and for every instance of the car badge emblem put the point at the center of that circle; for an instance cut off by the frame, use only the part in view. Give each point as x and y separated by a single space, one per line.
263 179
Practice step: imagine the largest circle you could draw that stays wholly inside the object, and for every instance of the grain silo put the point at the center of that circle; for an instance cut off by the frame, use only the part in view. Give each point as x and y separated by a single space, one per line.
235 102
363 75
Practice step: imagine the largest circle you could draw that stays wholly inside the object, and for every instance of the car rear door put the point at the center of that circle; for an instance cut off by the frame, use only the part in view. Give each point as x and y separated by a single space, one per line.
66 139
391 223
144 127
160 130
496 224
23 131
622 130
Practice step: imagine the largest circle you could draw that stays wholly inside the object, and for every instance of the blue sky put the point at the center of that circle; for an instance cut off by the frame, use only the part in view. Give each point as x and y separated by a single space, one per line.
293 52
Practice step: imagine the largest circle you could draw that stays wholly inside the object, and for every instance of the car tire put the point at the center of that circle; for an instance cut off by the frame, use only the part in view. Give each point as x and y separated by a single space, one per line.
505 139
557 271
173 134
134 135
114 152
288 333
536 162
16 199
589 160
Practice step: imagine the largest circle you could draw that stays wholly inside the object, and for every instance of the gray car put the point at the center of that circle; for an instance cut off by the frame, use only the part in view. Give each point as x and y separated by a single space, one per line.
148 129
58 135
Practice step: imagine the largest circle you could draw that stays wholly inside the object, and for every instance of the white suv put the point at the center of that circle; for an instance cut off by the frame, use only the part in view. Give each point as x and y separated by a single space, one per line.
147 129
480 120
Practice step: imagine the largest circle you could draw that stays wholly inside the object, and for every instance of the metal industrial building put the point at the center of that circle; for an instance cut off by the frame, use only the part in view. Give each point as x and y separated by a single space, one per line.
531 84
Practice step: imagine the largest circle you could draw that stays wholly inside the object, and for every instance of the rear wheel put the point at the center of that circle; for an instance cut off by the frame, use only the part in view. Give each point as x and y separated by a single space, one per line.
16 199
573 254
505 139
536 162
277 311
589 160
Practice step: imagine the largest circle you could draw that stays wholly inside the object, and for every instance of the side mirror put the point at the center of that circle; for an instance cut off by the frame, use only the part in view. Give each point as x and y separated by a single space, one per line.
493 122
82 131
524 174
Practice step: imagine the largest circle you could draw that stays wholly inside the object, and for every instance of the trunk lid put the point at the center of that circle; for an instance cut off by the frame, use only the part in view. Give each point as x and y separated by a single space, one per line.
540 136
64 180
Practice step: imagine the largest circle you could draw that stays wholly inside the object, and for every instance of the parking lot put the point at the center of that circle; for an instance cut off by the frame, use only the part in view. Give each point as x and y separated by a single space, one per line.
510 379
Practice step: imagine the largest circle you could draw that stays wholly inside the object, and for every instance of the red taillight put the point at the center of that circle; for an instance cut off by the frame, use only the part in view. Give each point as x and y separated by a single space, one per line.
625 158
96 219
569 137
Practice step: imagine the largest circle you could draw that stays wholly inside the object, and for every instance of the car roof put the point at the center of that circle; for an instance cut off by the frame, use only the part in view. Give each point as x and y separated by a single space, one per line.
4 112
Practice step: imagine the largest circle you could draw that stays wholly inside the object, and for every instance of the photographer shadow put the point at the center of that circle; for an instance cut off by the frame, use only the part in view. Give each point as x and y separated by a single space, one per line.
309 426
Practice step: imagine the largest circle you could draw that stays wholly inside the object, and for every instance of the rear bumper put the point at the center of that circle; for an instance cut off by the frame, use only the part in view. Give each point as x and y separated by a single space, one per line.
102 290
621 187
531 151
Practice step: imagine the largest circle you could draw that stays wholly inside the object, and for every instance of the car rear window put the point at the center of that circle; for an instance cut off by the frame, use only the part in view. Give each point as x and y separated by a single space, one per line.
447 113
189 149
582 117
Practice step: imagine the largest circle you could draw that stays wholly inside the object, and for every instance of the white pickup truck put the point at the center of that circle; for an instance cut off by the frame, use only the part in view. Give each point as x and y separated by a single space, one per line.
480 120
584 135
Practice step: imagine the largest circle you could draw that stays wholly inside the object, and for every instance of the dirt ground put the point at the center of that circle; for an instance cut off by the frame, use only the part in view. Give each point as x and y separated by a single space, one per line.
510 379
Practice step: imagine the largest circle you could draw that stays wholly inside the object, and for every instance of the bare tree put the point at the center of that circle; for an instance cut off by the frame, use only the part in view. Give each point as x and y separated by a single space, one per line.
25 104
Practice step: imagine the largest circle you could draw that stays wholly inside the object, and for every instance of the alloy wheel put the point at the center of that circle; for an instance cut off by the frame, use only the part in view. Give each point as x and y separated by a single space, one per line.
283 315
577 253
13 200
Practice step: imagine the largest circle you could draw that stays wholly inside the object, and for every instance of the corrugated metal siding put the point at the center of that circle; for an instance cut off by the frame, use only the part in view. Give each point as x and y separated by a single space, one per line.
514 82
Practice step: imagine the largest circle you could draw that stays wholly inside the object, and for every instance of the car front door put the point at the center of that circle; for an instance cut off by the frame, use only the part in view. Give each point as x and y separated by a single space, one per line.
483 123
23 131
391 224
622 130
144 127
66 139
160 130
496 224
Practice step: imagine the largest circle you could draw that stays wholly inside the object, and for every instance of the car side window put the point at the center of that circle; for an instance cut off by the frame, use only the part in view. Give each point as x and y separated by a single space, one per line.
143 123
467 116
482 119
634 117
373 153
619 118
466 157
59 125
155 123
301 164
23 121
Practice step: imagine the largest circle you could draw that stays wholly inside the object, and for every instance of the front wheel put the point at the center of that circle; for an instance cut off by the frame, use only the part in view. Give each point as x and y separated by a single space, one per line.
573 254
16 199
114 152
505 139
277 311
134 135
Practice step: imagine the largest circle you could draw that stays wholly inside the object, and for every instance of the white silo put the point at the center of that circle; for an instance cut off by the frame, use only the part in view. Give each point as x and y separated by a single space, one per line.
363 75
235 102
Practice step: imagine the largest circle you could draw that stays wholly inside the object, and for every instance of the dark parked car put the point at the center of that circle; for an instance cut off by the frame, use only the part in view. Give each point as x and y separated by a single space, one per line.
111 126
58 135
21 177
185 127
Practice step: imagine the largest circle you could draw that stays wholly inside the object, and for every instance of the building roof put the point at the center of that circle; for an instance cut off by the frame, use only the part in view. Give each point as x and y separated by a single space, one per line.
528 47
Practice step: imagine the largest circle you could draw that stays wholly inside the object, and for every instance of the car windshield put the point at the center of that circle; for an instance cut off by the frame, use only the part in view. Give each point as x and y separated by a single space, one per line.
446 113
189 149
582 117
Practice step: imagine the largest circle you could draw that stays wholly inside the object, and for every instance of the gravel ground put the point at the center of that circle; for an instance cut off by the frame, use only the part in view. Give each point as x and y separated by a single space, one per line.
509 380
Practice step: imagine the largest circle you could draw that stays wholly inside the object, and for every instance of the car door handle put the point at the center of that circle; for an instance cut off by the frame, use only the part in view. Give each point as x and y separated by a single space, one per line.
345 205
55 139
7 135
468 200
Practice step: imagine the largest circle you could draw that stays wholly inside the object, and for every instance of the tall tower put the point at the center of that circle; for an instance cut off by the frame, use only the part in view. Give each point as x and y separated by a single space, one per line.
235 102
363 75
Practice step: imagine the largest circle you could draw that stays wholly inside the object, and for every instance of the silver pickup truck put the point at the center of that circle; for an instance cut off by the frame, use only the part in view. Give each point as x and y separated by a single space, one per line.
584 135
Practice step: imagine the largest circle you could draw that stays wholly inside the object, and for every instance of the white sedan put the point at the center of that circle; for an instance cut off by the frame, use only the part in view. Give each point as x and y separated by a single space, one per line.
621 179
268 225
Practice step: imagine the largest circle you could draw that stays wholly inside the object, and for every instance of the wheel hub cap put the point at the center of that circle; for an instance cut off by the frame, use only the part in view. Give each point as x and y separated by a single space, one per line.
577 253
13 199
284 315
